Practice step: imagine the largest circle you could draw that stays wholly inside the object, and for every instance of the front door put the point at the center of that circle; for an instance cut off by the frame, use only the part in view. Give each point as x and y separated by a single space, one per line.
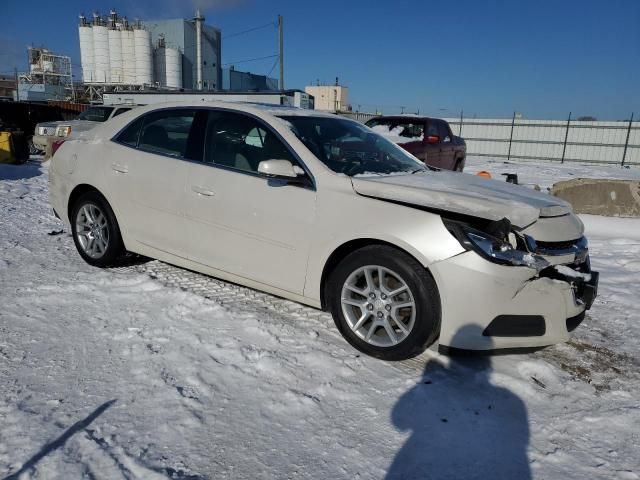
240 221
433 146
447 151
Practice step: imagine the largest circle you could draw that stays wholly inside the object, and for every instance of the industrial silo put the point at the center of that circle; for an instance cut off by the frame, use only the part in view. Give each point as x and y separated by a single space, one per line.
173 63
86 49
102 72
160 65
144 56
115 49
128 55
115 56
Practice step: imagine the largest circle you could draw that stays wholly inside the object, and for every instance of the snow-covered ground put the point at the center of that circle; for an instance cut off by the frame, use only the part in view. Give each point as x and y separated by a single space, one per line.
149 371
545 174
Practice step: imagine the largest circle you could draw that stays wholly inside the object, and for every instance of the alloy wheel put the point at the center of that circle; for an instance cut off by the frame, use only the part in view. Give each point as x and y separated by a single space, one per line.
378 305
92 230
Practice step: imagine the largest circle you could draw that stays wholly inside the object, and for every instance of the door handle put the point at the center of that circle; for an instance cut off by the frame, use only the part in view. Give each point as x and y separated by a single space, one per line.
120 168
202 191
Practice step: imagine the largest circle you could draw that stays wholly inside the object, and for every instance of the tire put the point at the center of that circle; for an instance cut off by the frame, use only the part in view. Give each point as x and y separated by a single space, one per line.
92 219
33 150
413 327
459 165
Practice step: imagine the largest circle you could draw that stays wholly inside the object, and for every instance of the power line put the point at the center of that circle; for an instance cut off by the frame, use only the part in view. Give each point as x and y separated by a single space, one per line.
274 66
249 60
270 24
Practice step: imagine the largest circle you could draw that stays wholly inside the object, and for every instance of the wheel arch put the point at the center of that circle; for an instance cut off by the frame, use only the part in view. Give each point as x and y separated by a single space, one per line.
80 190
341 252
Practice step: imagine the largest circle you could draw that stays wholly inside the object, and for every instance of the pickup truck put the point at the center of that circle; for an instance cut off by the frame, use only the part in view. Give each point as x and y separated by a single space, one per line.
428 139
45 132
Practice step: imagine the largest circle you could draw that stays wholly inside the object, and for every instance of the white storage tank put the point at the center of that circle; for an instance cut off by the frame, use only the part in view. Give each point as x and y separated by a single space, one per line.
128 57
102 72
115 56
144 56
86 50
160 66
173 63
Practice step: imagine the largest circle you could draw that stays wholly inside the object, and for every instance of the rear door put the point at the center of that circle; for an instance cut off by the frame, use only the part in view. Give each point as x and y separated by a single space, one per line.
240 221
148 174
411 138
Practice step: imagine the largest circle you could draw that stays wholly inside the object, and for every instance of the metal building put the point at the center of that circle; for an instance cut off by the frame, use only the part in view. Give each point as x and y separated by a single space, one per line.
237 81
180 36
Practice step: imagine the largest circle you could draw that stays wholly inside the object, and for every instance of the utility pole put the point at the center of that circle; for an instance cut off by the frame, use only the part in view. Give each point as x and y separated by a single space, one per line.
281 52
566 137
626 143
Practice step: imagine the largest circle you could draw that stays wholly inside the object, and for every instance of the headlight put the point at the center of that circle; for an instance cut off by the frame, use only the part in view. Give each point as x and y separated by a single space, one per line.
496 250
63 131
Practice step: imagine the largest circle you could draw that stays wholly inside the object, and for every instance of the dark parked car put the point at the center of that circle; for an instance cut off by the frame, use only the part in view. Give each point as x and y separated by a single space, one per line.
429 139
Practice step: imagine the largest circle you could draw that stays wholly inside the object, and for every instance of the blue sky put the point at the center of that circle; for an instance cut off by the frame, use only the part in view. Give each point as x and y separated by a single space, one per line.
542 58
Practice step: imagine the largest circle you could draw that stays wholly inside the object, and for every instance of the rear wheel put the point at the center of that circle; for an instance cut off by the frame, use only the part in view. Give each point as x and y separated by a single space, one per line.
95 230
459 165
384 303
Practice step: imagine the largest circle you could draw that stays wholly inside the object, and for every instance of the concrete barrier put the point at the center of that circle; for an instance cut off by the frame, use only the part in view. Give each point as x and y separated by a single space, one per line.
612 198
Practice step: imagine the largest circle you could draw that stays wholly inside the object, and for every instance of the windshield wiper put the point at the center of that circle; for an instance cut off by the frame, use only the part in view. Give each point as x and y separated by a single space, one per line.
419 170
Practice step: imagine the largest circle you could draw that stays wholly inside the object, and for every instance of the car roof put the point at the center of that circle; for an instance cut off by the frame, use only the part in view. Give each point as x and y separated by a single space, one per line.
407 116
249 107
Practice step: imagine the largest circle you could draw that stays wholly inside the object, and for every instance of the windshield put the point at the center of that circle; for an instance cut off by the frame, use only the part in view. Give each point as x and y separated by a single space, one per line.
351 148
96 114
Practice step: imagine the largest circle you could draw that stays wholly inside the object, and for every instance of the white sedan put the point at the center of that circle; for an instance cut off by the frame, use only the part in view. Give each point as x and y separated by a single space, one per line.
322 210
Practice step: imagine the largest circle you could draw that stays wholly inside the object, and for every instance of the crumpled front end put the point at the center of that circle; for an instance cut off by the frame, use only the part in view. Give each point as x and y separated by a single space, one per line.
530 295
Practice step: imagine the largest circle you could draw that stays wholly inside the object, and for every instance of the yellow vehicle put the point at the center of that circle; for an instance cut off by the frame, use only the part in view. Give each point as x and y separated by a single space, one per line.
10 148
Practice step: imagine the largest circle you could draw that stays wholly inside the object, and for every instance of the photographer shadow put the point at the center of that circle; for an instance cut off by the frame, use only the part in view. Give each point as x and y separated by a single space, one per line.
462 426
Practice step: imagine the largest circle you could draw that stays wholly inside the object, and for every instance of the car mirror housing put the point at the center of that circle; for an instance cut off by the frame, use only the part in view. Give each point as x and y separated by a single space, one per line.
278 169
432 139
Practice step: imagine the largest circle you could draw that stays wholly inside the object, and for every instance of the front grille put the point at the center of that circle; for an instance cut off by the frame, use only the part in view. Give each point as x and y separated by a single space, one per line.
557 245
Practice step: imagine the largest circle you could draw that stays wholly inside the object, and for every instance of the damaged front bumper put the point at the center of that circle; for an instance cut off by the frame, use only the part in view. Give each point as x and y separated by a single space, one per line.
488 306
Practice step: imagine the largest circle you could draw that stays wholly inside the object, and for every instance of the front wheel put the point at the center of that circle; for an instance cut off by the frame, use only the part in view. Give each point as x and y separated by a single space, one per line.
33 150
95 230
384 303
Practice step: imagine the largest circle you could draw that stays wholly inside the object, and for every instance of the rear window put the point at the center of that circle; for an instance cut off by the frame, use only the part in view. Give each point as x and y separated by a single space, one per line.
167 132
409 129
121 111
129 135
96 114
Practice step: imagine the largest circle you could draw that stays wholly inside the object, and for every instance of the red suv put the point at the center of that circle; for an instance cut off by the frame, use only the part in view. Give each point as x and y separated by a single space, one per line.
429 139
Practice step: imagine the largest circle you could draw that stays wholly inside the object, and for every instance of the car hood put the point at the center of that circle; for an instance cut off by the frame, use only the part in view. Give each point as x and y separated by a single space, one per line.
464 194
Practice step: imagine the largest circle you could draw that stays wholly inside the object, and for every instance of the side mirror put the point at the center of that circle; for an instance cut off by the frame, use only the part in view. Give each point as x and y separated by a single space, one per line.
283 169
433 139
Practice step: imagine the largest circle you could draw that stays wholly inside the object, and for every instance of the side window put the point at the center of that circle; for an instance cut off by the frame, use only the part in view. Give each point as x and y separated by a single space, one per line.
432 129
255 137
129 136
412 130
445 134
120 111
167 132
241 142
